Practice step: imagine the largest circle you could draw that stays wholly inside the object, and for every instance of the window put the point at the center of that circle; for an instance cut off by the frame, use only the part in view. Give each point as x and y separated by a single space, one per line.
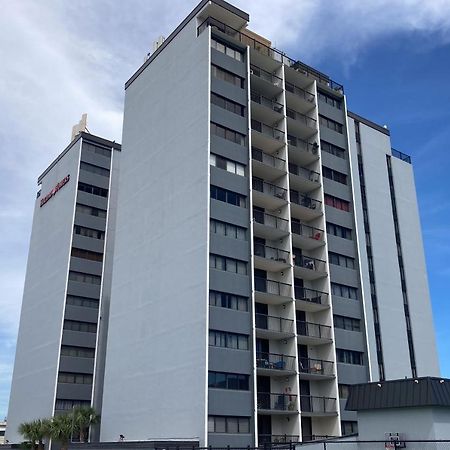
228 424
74 378
339 231
87 254
227 104
226 164
331 124
342 290
94 190
341 260
343 390
222 380
347 323
349 427
84 278
227 264
337 203
90 210
332 149
229 77
227 133
334 175
230 301
332 101
228 229
228 340
75 325
349 356
82 301
227 50
223 195
77 352
94 169
67 405
99 150
89 232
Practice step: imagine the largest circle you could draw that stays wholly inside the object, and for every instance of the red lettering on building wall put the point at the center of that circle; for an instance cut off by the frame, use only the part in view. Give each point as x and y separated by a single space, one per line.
63 182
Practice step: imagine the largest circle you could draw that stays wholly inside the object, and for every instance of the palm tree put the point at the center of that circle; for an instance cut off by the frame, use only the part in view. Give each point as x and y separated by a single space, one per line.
35 431
61 429
84 417
27 431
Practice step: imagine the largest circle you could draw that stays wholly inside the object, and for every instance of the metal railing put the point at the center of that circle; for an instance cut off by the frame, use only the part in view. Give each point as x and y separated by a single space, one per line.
308 174
310 263
304 200
277 439
309 403
275 361
307 231
274 323
264 101
276 402
275 254
272 287
400 155
270 220
269 188
303 118
266 76
315 366
295 143
314 330
310 295
265 158
273 53
299 92
271 132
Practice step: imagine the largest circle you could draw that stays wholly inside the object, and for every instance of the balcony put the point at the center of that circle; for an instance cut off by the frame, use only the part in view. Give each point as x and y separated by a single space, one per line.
265 81
310 299
269 226
299 99
317 406
273 327
270 258
267 166
304 207
309 268
302 179
272 292
309 333
268 195
306 237
314 369
301 151
266 137
301 124
269 403
266 109
277 439
274 364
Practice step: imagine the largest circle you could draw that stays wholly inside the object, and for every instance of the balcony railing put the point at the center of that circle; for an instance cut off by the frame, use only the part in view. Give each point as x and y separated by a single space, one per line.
310 295
307 231
268 188
313 330
309 403
270 220
315 366
264 251
267 76
272 287
273 53
276 402
299 92
277 439
308 174
269 160
304 119
271 132
274 323
304 200
310 263
264 101
300 144
275 361
400 155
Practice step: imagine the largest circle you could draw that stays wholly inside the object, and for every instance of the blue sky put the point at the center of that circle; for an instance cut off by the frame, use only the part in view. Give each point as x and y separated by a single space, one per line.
63 58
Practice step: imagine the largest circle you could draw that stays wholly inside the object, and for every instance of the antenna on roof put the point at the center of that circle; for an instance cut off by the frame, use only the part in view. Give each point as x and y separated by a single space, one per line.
80 126
156 45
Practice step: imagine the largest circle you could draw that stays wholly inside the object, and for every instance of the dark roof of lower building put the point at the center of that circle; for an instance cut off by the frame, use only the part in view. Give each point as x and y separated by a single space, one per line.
405 393
369 123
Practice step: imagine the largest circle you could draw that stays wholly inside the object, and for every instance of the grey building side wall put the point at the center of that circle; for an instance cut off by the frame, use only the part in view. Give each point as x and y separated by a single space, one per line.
159 301
36 363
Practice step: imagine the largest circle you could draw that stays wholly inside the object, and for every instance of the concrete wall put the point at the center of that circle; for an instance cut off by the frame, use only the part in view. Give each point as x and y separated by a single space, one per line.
37 353
156 362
